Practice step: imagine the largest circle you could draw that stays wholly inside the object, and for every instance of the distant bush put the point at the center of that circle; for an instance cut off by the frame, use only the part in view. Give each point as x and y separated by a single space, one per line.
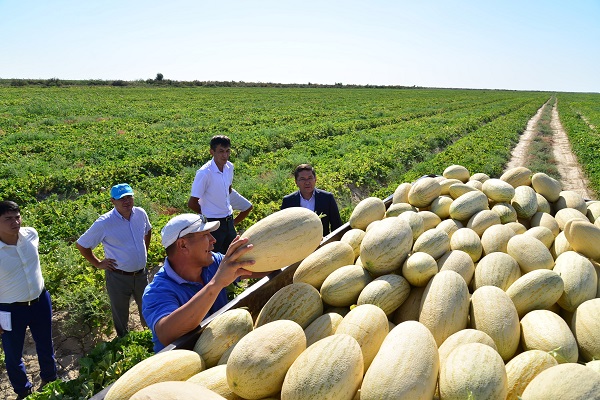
119 83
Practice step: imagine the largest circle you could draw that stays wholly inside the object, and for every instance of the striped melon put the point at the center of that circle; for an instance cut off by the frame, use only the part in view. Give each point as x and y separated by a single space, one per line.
415 221
323 261
343 286
583 236
563 215
423 191
463 337
585 325
332 369
368 324
506 212
458 189
524 202
498 190
450 226
475 184
568 381
176 365
223 331
366 211
215 379
579 277
298 302
396 209
518 176
430 220
444 306
441 206
445 186
545 220
467 240
530 253
434 242
354 237
385 247
480 177
257 365
547 331
282 238
322 327
401 193
496 238
175 390
419 268
465 206
456 172
542 234
482 220
387 292
523 368
496 269
473 370
547 186
570 199
494 313
536 290
457 261
543 204
406 366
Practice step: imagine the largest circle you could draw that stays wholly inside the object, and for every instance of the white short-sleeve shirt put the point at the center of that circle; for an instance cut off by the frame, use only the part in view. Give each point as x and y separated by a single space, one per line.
211 187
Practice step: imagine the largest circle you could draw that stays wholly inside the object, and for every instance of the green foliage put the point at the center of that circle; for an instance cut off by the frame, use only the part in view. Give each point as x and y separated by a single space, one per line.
101 367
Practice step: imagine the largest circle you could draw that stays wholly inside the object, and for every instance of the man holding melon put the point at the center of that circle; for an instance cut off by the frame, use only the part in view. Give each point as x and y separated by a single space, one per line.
191 284
317 200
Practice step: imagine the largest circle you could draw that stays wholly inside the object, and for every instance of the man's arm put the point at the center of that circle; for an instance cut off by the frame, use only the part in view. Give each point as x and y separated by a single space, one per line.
108 263
239 203
147 238
194 205
334 217
188 316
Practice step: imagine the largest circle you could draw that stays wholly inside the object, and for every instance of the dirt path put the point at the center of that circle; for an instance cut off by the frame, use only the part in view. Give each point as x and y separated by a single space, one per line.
571 174
68 351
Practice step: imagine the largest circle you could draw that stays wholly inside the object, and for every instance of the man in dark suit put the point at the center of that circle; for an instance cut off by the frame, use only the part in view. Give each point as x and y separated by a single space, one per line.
317 200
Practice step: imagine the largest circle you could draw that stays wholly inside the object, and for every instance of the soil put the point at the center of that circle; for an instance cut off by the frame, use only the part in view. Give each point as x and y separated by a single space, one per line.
70 348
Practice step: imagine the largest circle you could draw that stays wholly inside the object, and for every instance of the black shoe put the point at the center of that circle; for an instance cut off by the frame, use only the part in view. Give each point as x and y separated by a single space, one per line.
23 395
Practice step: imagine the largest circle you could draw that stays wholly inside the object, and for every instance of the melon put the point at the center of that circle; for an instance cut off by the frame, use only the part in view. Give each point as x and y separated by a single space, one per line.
565 381
518 176
585 325
523 368
547 186
387 292
547 331
536 290
298 302
322 262
385 247
366 211
423 191
498 190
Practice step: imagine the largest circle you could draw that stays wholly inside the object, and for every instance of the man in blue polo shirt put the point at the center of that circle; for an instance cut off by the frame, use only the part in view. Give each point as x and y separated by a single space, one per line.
125 233
191 284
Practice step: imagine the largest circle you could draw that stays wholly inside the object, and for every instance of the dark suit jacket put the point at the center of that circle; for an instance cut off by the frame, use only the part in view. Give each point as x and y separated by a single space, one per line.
324 204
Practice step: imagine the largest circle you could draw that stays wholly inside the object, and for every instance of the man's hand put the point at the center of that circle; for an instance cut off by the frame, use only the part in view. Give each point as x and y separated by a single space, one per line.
108 264
230 269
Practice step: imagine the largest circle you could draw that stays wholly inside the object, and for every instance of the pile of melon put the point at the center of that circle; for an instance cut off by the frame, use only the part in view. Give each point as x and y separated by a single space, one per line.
465 287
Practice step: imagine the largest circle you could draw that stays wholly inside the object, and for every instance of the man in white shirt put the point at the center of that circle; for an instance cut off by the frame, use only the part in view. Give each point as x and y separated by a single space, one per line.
125 233
212 194
24 301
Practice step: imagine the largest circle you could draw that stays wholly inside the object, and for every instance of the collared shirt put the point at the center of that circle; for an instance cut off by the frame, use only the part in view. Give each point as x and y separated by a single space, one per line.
310 203
168 291
122 239
20 272
211 187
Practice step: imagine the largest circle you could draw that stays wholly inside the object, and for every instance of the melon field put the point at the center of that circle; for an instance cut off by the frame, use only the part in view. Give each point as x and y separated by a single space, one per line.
64 147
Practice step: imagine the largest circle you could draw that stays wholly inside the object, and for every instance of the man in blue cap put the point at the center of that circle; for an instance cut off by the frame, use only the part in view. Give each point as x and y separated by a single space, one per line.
125 233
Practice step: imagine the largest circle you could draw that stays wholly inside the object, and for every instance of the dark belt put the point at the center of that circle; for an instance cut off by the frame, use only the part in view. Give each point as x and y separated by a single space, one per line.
134 273
225 219
30 302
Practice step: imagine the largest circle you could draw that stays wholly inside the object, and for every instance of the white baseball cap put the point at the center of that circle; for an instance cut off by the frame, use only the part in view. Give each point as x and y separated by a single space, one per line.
184 224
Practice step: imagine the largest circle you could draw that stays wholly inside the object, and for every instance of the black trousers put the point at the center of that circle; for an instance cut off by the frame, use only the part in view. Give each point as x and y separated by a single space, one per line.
224 235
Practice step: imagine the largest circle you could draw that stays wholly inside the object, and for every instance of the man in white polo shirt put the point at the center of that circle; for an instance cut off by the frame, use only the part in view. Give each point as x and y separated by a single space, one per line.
125 233
24 301
212 194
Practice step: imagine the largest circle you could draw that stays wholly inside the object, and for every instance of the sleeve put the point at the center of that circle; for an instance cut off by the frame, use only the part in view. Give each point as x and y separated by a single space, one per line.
93 236
199 184
157 304
238 202
334 217
148 224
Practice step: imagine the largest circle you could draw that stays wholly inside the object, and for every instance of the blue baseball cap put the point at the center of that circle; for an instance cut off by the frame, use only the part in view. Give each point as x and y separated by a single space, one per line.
120 190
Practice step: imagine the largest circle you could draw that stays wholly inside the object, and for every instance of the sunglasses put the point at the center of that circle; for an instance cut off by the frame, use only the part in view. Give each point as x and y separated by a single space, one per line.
201 218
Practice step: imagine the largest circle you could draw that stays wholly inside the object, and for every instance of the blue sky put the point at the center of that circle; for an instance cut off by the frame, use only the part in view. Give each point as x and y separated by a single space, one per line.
520 45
